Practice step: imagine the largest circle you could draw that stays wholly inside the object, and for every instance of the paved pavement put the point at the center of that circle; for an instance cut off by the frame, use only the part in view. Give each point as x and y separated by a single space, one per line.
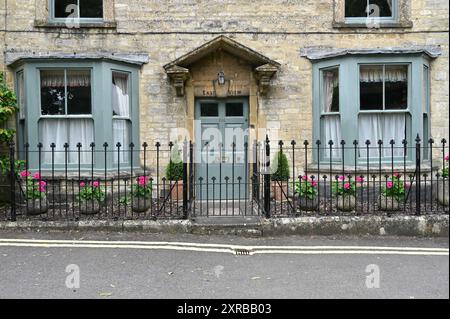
40 272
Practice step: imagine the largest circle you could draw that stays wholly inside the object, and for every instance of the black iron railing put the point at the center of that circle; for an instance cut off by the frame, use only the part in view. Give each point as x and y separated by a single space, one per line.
286 179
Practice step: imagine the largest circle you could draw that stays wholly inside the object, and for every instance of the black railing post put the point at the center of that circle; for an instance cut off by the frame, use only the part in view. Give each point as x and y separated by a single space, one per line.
185 179
12 180
267 180
418 175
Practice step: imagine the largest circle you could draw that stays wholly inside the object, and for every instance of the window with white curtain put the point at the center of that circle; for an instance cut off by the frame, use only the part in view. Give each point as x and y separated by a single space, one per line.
330 113
66 115
383 111
121 116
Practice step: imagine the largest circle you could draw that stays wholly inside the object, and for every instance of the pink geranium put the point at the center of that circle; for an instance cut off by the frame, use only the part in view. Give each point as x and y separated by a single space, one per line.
305 177
360 179
447 157
342 178
37 176
314 183
389 185
397 175
25 174
42 189
347 186
43 183
82 184
96 184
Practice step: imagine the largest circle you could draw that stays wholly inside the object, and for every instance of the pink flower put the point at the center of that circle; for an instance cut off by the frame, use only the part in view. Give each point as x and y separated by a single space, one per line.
342 178
43 183
305 177
25 174
37 176
397 175
314 183
347 186
360 179
143 180
447 158
96 184
42 189
82 184
389 185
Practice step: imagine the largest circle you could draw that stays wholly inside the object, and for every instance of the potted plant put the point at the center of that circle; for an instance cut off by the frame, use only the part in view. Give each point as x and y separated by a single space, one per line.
174 174
90 197
306 190
36 199
280 177
141 194
443 184
392 194
345 190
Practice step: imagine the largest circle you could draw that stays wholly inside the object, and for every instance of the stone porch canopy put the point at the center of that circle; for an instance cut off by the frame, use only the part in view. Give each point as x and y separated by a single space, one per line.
263 67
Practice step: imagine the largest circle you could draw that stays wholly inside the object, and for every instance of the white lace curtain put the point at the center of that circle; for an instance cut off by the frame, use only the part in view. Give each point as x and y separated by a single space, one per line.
331 124
61 131
56 78
384 127
121 107
391 74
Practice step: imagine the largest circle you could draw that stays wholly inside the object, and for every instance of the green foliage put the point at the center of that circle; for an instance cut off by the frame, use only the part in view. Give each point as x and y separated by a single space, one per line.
8 107
306 188
5 165
344 187
91 191
394 188
282 167
174 171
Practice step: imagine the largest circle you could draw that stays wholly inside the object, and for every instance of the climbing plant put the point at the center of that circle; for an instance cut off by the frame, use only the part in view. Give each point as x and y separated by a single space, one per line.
8 107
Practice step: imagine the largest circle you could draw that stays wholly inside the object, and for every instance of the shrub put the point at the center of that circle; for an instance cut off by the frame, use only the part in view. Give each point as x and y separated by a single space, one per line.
174 171
282 167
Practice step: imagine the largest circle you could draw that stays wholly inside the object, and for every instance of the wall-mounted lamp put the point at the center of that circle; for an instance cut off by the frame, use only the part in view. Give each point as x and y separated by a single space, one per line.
221 78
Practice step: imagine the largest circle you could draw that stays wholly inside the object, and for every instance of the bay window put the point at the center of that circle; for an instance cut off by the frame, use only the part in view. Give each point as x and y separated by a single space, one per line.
371 98
77 102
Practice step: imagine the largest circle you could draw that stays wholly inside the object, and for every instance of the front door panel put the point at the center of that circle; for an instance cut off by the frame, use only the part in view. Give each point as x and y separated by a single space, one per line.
221 157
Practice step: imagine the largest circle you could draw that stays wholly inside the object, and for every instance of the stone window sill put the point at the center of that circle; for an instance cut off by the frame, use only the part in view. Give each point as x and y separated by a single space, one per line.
62 25
346 25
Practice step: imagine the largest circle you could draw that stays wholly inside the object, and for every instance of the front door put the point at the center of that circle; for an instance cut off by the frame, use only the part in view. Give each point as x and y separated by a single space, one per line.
221 152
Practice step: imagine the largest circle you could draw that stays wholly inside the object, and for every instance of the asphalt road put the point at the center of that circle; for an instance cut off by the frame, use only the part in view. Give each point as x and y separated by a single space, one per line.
40 272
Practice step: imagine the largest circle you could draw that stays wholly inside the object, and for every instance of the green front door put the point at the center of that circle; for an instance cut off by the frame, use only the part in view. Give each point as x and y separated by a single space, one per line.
221 154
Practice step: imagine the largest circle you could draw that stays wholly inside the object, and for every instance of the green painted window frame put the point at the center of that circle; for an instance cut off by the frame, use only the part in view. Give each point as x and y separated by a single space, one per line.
349 100
381 20
52 18
101 88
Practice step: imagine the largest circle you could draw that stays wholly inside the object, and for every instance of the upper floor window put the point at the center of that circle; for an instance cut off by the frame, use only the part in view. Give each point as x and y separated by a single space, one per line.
82 9
369 8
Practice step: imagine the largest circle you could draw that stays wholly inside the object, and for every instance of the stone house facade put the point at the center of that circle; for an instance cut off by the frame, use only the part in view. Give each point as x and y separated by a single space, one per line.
155 71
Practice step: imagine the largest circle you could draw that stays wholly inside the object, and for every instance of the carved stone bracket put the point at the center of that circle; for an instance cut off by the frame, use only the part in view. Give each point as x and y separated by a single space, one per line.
264 74
178 75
